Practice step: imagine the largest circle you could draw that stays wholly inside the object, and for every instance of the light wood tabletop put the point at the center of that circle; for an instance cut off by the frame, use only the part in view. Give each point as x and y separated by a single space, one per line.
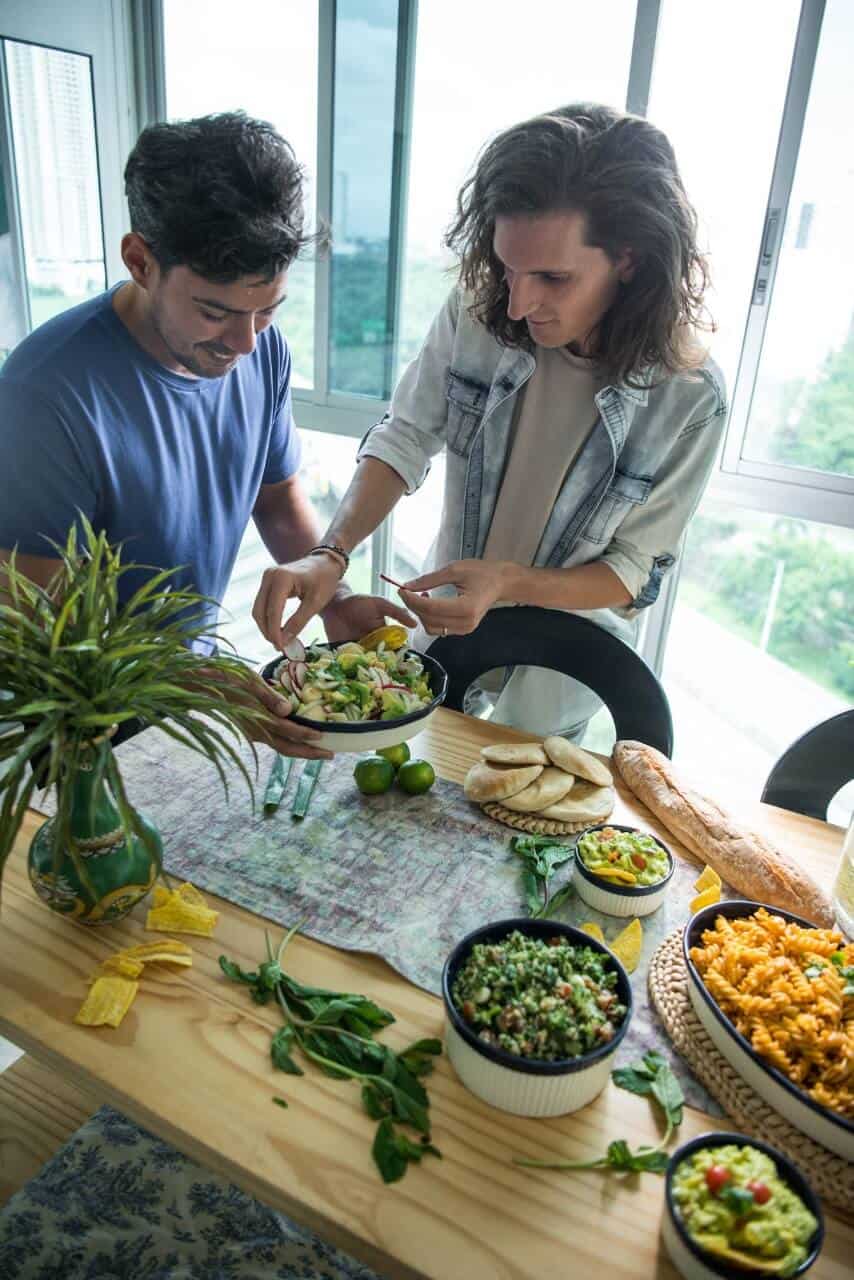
191 1062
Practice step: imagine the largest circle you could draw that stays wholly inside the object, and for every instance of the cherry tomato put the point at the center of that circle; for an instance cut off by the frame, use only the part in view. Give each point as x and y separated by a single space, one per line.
761 1192
639 860
717 1176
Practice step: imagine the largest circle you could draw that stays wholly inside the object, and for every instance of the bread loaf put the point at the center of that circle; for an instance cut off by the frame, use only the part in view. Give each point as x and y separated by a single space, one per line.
748 862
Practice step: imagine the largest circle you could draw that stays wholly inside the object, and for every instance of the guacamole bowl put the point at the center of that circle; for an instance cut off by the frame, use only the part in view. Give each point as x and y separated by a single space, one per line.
688 1256
828 1128
613 898
369 735
530 1086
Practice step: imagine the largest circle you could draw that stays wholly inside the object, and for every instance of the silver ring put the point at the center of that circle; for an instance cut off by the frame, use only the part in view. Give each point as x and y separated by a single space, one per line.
444 631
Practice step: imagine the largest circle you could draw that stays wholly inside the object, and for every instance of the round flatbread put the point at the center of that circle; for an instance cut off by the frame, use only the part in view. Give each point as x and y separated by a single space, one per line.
585 803
497 782
551 786
567 756
514 753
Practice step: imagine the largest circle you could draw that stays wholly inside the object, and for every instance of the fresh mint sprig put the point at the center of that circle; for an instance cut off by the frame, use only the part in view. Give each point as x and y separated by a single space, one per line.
542 856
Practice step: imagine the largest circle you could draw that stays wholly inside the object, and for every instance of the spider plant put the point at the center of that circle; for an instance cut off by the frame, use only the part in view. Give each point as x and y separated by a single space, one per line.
76 661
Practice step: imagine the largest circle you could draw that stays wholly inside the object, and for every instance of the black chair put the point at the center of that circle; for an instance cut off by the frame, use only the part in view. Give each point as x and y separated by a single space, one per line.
810 772
534 637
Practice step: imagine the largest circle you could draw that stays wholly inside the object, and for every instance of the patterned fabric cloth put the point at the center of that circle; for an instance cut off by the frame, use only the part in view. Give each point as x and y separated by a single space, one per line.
116 1203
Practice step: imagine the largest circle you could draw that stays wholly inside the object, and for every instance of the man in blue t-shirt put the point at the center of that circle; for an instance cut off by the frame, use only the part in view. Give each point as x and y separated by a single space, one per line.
162 409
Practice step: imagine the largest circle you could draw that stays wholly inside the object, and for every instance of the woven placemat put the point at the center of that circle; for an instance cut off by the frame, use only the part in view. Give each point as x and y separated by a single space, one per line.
530 822
830 1175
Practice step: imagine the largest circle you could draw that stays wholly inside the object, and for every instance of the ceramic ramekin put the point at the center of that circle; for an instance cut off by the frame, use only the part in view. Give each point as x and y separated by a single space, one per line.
620 900
528 1086
695 1263
826 1127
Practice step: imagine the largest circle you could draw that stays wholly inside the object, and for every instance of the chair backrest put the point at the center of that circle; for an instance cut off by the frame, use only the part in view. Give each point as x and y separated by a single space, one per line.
810 772
529 636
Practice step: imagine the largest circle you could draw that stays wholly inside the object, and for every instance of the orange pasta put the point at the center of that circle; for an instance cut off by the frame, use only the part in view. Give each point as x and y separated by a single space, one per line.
784 987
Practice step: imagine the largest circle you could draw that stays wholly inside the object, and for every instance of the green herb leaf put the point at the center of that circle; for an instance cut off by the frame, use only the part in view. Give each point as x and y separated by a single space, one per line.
667 1090
281 1047
389 1159
739 1199
375 1103
635 1079
280 1102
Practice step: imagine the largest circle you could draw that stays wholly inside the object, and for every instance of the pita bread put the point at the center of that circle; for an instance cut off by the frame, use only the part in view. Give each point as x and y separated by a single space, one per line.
586 804
514 753
566 755
551 786
497 782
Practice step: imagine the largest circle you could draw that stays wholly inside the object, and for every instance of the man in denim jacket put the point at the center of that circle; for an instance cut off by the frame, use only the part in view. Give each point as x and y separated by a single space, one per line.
563 378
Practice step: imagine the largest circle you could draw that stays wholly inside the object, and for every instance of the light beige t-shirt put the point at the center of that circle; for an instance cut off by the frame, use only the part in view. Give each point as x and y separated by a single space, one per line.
555 415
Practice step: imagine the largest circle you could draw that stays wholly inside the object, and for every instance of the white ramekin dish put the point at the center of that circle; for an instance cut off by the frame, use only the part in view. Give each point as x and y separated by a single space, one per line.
695 1263
528 1086
369 735
620 899
826 1127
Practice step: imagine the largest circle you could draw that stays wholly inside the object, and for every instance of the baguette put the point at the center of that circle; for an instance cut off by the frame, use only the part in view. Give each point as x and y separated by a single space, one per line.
748 862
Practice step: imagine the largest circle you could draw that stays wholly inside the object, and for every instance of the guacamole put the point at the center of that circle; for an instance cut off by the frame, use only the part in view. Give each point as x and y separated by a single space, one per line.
624 857
734 1205
537 998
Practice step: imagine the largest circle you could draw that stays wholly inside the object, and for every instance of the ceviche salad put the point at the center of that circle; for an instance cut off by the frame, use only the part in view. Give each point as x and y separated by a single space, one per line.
352 683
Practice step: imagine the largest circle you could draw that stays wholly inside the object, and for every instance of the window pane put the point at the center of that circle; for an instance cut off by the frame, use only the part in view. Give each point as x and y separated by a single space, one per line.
478 70
718 90
11 324
803 404
56 169
327 468
363 156
263 61
761 643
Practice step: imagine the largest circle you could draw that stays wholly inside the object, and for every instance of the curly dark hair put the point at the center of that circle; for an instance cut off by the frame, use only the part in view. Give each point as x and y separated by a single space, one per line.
620 172
222 195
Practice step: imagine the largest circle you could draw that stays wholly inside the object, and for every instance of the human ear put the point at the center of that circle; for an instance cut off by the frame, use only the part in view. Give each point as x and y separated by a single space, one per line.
626 266
139 260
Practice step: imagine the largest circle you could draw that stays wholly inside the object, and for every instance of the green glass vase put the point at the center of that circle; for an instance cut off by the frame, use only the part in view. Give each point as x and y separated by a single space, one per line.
116 872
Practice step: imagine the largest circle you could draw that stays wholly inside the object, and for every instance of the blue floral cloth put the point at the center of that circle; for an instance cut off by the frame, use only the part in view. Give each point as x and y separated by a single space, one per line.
116 1203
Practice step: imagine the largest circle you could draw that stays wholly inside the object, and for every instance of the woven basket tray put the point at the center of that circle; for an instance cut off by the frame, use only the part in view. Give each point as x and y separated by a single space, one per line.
530 822
829 1175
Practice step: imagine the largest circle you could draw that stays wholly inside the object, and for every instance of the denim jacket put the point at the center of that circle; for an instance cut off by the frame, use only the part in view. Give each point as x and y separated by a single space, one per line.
628 496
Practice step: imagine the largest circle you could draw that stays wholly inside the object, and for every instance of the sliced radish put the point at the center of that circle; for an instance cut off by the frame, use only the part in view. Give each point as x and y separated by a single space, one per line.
298 671
284 678
294 649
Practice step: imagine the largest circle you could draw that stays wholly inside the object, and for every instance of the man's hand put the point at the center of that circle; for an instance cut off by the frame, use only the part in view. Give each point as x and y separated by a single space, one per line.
480 584
313 581
351 617
276 729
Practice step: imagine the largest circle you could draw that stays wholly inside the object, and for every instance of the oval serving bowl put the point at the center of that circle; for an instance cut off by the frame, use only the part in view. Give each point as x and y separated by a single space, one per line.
823 1126
528 1086
620 899
695 1263
370 735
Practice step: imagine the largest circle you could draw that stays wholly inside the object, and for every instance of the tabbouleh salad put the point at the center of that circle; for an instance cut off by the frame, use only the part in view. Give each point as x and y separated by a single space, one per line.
539 999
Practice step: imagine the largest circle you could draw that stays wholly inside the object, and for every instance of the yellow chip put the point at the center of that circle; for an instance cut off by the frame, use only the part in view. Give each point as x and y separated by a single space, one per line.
107 1002
627 945
182 917
189 893
121 965
707 879
394 637
706 898
593 929
163 949
613 873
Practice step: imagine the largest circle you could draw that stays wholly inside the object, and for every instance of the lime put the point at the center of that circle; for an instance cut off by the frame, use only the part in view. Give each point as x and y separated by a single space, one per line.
373 775
416 777
396 755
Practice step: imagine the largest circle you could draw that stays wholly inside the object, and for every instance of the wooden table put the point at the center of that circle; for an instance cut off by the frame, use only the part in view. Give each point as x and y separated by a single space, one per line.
191 1062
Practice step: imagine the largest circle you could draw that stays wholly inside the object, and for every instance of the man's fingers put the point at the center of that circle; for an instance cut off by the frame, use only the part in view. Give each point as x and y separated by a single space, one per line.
436 610
392 610
292 747
295 623
438 578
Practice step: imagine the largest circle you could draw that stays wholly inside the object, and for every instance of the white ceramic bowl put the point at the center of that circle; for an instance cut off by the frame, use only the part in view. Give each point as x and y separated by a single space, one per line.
695 1263
528 1086
369 735
619 900
828 1129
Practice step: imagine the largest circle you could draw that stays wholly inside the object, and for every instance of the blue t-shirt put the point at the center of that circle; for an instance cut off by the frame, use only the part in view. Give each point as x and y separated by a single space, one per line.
169 465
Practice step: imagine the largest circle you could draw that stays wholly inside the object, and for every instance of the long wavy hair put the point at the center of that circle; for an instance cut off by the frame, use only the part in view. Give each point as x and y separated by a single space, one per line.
620 172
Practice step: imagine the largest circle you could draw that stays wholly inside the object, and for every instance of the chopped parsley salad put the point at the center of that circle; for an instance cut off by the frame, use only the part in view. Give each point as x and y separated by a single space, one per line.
548 1000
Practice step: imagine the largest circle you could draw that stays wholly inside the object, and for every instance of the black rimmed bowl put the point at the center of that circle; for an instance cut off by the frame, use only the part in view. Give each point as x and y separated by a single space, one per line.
528 1086
370 735
620 899
826 1127
695 1263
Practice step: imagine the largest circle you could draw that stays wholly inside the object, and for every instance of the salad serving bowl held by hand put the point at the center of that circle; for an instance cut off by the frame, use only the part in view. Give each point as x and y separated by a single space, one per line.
390 719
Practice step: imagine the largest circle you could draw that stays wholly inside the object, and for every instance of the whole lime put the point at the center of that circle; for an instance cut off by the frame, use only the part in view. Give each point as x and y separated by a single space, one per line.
416 777
373 775
395 755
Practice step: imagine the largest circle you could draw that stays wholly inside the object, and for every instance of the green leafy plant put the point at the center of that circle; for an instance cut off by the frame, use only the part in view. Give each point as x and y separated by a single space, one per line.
335 1030
76 661
541 856
653 1077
